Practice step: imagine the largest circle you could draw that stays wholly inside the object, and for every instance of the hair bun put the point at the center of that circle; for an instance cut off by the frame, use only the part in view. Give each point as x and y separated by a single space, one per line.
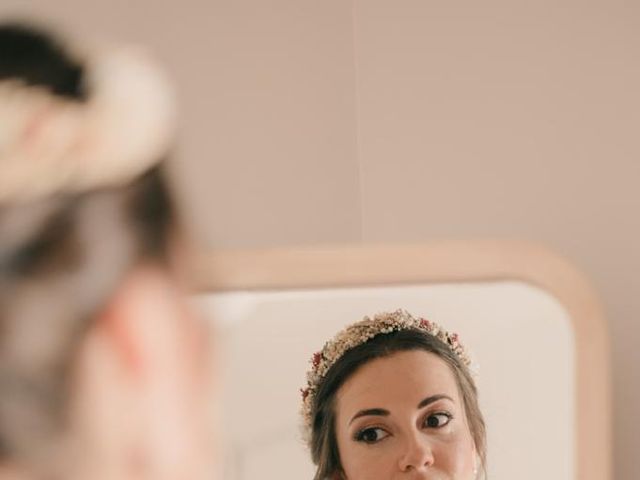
52 144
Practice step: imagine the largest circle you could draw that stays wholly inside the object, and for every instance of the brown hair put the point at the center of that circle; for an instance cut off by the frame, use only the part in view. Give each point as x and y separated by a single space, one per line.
324 446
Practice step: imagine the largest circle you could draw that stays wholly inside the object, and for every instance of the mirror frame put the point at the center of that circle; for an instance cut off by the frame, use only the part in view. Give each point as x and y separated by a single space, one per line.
362 265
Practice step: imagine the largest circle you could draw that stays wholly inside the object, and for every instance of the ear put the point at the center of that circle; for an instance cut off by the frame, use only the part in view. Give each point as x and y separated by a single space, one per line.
143 381
149 324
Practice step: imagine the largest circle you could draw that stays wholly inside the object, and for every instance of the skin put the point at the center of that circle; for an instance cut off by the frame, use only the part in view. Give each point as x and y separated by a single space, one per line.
140 392
402 417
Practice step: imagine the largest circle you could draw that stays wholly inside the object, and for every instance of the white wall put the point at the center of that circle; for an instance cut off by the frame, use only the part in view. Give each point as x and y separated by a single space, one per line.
335 121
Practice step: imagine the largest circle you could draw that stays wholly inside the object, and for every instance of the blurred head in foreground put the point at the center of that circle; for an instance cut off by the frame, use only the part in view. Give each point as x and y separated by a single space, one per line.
102 367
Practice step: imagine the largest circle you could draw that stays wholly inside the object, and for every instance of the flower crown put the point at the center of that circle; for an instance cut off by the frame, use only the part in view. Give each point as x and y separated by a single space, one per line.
50 144
360 332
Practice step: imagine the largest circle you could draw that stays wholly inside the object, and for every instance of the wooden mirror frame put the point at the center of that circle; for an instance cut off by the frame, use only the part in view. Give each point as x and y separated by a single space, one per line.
447 261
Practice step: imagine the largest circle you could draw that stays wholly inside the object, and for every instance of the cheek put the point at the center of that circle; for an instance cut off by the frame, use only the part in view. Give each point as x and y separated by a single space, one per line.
457 458
367 464
360 462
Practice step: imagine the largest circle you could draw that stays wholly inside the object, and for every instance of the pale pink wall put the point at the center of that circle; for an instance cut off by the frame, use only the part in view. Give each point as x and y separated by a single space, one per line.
335 121
268 104
505 120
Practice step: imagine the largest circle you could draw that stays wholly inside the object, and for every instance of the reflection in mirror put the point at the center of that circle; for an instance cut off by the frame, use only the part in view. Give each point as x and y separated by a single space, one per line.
526 388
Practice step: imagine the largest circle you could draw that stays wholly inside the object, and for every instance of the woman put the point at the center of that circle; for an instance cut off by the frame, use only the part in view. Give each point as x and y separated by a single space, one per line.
391 398
101 364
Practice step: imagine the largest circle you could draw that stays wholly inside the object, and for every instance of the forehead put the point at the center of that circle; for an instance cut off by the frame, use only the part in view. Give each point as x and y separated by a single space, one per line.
403 378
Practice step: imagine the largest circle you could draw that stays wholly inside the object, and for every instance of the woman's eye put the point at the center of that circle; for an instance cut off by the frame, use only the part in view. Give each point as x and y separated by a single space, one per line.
438 420
371 435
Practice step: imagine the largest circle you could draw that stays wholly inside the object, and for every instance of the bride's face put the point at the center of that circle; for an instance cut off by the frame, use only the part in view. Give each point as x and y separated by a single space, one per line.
402 417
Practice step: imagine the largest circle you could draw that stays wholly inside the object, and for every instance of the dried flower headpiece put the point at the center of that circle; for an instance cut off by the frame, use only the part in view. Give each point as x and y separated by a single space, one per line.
51 144
360 332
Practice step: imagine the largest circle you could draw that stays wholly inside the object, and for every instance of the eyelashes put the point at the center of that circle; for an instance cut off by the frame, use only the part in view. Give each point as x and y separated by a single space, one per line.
372 435
438 420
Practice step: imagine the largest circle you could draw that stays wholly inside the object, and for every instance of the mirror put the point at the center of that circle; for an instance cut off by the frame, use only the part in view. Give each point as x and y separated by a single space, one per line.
523 338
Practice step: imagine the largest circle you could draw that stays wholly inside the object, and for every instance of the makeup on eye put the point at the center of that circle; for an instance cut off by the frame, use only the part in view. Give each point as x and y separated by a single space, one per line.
381 412
434 419
437 420
371 435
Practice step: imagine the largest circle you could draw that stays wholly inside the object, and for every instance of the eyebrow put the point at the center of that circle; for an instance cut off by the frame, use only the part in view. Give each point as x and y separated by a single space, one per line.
378 412
432 399
381 412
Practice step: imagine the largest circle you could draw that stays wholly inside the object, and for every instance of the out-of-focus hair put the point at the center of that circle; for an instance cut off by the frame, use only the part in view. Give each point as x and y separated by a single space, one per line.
61 258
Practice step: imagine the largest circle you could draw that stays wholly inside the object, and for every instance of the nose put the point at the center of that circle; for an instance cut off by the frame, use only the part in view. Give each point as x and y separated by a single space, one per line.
417 454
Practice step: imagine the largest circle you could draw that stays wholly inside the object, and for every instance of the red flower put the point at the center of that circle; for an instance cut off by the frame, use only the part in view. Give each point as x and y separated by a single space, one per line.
317 358
424 323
